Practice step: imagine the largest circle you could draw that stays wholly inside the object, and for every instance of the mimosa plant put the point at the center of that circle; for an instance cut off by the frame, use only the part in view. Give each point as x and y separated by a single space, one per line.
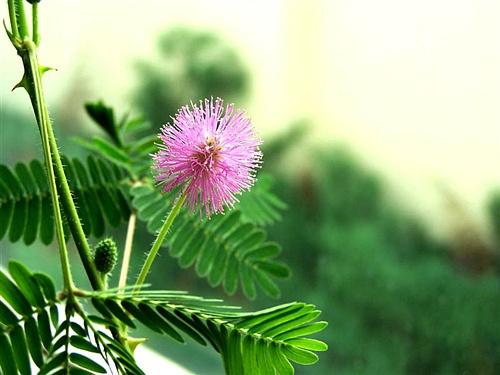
186 191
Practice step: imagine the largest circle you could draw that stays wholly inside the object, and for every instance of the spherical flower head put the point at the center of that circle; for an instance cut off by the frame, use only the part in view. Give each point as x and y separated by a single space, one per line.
213 150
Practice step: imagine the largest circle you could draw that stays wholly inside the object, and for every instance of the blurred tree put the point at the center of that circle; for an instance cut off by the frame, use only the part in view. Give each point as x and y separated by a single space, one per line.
193 65
397 300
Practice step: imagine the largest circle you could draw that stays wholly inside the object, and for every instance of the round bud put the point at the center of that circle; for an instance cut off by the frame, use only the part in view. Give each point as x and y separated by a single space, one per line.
105 255
33 1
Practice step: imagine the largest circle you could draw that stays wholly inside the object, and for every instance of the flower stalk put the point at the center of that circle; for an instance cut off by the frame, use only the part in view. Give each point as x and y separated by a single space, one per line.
159 241
127 253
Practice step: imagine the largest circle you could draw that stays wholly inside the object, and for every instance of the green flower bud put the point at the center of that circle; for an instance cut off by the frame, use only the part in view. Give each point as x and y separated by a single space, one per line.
105 255
33 1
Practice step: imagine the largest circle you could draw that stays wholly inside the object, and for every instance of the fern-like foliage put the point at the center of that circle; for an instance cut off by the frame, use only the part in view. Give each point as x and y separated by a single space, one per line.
264 342
228 249
260 206
28 316
31 331
26 206
100 193
225 249
79 344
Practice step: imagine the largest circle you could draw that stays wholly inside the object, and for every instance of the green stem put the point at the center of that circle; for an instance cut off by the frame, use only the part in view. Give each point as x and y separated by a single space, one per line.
128 250
74 222
42 116
21 19
36 35
159 241
13 19
58 182
34 88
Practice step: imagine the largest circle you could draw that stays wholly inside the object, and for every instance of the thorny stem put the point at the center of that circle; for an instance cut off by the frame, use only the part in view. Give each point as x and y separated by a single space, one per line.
32 69
58 182
74 222
33 76
32 82
159 241
128 250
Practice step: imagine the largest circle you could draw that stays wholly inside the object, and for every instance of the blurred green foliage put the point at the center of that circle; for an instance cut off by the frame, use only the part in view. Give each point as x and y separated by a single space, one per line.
396 301
193 65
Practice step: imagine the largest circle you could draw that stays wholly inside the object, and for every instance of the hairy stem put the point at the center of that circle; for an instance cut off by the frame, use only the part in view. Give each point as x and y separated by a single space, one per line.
32 82
34 88
128 250
41 113
74 222
159 241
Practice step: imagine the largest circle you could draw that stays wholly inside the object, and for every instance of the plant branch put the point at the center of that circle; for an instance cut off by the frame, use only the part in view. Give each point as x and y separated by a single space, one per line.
22 25
74 222
13 19
40 108
128 250
159 241
32 70
36 35
32 82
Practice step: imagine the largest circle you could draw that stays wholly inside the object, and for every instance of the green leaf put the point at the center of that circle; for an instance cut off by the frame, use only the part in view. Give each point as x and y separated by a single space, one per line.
18 221
33 341
26 283
281 363
26 207
139 315
20 349
118 312
264 341
176 322
7 360
159 322
53 363
44 329
260 206
110 152
104 116
86 363
267 284
7 317
309 344
301 356
47 286
225 249
81 343
303 331
13 296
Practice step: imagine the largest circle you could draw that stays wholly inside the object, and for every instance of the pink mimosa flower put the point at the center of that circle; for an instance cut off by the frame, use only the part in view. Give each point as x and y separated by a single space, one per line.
213 149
